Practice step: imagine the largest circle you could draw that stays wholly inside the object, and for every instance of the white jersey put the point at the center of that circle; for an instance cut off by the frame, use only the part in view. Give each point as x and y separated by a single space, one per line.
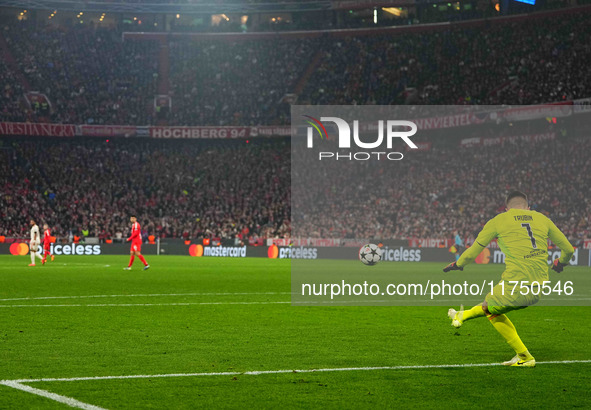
35 234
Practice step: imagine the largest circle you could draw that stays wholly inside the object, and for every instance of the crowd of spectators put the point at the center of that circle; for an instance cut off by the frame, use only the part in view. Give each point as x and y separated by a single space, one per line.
180 189
11 92
517 62
91 76
429 194
234 82
233 190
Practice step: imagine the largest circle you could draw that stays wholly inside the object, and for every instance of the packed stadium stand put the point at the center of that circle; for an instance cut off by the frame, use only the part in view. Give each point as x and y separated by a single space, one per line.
517 62
234 189
238 83
92 76
220 189
432 193
188 189
12 91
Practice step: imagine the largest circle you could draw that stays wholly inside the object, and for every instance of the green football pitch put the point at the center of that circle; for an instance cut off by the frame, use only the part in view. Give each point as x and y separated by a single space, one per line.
221 332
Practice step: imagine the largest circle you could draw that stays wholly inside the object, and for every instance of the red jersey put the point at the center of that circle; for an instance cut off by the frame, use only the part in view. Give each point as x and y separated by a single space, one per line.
136 236
46 238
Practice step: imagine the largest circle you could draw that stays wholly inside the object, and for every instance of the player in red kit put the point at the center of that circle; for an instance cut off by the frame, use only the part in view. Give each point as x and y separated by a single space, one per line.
136 244
46 244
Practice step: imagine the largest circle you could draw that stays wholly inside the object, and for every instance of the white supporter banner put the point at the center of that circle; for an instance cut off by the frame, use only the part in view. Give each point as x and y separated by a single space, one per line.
199 132
219 132
270 131
487 142
582 105
449 121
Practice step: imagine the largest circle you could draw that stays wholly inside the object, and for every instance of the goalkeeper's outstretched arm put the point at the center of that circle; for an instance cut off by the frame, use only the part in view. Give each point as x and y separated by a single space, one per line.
560 240
567 250
488 233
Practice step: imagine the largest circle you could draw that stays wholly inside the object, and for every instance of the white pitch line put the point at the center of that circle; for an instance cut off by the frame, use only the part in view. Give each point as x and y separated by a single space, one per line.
49 395
255 293
150 304
144 295
262 372
294 303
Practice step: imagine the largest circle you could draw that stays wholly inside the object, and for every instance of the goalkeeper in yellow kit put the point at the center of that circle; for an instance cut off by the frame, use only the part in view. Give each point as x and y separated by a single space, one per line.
523 237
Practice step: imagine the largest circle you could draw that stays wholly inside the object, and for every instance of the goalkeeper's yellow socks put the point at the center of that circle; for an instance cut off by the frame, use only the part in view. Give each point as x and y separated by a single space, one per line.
506 328
473 313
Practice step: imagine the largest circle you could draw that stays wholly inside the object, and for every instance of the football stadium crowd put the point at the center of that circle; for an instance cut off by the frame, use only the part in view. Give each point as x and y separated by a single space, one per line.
236 83
91 76
235 190
239 191
430 194
11 91
176 189
522 62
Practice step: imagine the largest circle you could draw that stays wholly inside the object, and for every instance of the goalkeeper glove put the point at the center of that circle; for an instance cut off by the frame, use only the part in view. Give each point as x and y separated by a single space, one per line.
452 266
557 266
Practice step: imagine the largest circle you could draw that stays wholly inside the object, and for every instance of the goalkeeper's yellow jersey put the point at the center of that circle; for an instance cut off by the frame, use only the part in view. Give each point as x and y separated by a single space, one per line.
523 237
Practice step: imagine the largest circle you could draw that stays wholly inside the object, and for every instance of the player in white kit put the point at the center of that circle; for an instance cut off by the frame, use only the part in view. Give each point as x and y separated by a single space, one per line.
35 242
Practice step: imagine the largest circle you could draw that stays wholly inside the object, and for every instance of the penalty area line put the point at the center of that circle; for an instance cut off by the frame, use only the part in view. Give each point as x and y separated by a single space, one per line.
49 395
262 372
147 295
149 304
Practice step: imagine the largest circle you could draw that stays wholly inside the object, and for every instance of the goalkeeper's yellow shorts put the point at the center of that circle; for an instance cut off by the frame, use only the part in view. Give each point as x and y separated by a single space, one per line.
505 297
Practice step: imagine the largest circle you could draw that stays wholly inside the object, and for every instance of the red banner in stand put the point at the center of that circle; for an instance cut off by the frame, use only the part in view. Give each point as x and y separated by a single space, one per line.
109 130
37 130
531 112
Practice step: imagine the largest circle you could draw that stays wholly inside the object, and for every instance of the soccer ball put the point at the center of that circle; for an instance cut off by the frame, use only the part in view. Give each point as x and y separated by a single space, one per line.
370 254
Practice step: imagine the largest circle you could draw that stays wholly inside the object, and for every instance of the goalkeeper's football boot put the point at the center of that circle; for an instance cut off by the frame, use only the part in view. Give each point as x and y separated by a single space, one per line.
457 318
519 362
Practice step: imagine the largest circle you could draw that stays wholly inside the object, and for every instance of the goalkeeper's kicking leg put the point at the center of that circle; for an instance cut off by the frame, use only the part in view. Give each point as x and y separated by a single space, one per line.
502 324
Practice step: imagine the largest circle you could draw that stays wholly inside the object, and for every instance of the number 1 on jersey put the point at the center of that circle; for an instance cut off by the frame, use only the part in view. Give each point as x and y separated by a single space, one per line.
531 235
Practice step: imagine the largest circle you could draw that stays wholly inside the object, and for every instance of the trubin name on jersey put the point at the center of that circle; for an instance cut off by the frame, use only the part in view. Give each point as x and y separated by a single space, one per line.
72 249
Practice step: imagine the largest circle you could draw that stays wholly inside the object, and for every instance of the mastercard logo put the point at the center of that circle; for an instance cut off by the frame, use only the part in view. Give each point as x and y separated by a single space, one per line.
196 250
484 257
19 249
273 252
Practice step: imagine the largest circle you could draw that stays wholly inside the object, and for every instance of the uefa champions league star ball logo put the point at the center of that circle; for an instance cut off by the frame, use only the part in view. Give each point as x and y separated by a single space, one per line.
387 130
370 254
